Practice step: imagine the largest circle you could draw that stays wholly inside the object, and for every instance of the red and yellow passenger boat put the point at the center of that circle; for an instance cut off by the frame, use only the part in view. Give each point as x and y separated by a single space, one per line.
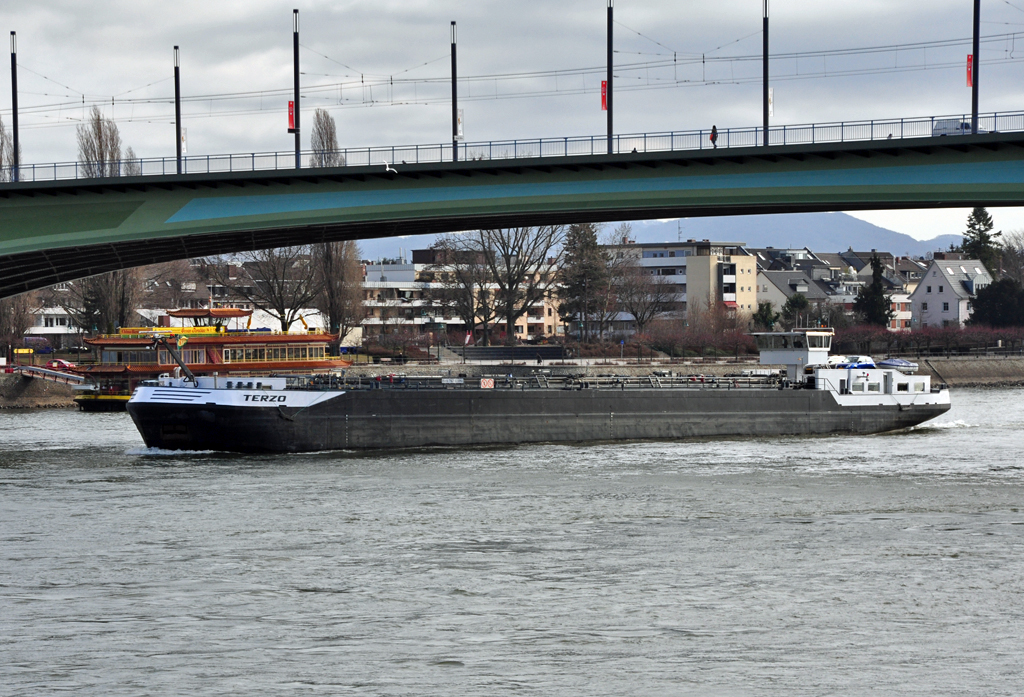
208 347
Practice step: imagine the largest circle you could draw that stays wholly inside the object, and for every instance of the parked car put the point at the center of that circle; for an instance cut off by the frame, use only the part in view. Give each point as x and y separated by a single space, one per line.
59 364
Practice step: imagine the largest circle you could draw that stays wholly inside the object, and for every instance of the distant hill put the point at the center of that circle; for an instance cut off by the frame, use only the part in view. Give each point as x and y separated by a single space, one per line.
821 232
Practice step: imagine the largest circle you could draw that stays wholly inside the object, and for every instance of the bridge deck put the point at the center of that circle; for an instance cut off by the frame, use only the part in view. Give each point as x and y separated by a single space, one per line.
63 230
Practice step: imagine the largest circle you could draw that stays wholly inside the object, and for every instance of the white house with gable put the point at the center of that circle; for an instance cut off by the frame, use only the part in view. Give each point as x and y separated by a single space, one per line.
944 294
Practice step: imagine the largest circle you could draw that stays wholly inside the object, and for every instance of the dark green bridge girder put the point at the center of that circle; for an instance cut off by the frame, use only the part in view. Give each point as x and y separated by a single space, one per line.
59 231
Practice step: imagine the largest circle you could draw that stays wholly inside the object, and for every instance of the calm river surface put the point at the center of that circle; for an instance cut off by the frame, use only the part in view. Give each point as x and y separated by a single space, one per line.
792 566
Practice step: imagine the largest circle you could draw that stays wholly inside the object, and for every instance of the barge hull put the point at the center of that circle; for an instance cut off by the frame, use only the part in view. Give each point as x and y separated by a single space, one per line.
385 419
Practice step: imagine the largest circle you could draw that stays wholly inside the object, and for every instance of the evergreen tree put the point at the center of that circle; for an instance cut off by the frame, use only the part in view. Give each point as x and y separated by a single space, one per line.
765 317
980 242
584 277
795 307
873 302
999 305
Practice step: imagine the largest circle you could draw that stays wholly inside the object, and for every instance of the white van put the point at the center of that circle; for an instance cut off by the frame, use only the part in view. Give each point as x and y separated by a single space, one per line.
952 127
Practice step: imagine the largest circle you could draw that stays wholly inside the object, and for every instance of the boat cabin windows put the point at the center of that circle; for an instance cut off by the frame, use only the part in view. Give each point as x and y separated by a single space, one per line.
275 353
918 387
132 357
874 387
793 341
903 387
857 387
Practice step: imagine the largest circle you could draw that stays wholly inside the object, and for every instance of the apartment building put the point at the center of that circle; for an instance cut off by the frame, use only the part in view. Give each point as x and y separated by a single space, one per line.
703 271
402 296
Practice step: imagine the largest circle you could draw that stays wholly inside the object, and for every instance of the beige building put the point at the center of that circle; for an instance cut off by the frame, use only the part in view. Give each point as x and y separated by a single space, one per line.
703 271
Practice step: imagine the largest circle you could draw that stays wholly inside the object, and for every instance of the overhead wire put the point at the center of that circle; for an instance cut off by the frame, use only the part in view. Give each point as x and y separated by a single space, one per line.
623 70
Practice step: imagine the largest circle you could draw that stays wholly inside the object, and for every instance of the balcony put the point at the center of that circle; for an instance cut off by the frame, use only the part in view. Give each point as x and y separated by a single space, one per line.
729 279
728 297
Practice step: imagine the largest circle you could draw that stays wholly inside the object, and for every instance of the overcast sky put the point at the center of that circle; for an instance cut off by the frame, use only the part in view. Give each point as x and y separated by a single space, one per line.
381 69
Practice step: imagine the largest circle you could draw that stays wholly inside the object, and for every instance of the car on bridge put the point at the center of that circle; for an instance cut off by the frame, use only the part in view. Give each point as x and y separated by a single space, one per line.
59 364
952 127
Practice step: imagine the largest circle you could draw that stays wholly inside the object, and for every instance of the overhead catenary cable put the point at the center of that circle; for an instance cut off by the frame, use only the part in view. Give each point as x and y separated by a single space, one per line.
627 71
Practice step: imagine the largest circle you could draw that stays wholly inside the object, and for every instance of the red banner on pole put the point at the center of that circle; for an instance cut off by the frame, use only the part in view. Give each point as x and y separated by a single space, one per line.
970 70
604 95
291 115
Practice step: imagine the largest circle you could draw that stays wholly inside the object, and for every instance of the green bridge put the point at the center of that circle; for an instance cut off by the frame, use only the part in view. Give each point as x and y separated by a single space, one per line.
62 230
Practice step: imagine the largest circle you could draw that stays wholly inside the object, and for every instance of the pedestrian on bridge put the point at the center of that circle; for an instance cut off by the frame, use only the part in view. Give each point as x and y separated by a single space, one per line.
714 137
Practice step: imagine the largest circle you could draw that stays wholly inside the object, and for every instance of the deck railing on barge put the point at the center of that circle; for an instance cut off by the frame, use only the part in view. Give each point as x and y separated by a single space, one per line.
534 382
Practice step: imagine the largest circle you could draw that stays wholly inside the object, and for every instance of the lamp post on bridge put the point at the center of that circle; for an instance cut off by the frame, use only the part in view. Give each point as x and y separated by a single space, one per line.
764 79
177 109
14 106
974 67
295 108
455 99
608 77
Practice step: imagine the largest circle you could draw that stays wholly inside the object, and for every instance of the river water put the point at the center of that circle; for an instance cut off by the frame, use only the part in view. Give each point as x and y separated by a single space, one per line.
888 564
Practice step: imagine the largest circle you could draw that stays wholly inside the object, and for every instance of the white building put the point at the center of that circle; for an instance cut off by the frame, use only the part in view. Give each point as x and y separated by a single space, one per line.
902 314
944 294
56 326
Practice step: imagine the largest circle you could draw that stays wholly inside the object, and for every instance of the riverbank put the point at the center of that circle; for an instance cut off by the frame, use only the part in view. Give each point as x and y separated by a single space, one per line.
976 371
17 392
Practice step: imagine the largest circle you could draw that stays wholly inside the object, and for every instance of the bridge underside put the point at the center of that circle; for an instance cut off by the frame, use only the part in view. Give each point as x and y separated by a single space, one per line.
61 231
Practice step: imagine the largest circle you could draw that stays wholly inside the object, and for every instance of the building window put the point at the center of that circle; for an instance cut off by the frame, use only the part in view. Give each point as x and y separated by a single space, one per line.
940 289
929 290
945 307
924 307
549 314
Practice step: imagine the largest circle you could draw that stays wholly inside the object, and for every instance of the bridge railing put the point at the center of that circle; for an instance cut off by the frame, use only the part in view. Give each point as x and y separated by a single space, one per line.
670 141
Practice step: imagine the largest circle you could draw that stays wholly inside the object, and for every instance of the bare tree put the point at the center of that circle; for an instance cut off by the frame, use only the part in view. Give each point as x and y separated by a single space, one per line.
276 281
324 141
99 146
522 263
101 304
6 153
15 319
132 164
340 299
169 285
463 282
641 294
1013 256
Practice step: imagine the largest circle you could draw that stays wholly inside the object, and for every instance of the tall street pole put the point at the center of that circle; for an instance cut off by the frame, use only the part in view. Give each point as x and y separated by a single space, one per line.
295 54
455 100
764 78
974 67
177 108
609 76
14 106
